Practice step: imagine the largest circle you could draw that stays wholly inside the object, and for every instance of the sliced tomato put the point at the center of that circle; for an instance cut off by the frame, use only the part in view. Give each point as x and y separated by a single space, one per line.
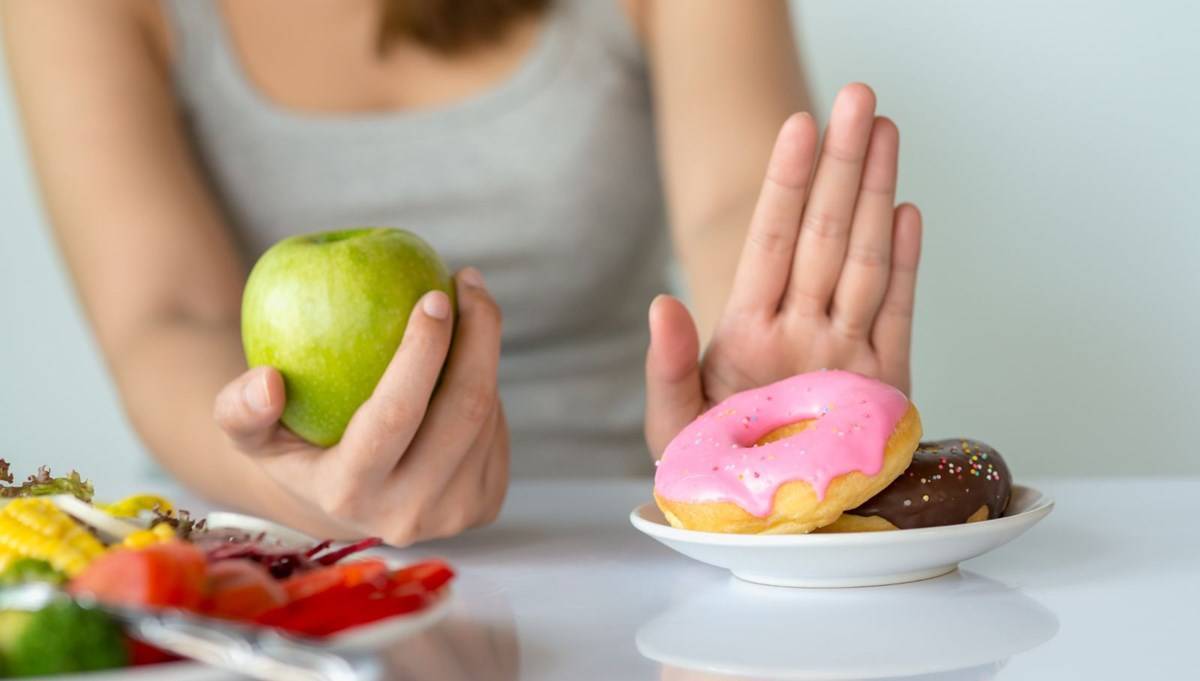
430 574
241 590
171 574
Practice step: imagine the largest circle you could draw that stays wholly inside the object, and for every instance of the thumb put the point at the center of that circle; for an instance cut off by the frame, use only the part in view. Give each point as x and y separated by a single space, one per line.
248 407
674 395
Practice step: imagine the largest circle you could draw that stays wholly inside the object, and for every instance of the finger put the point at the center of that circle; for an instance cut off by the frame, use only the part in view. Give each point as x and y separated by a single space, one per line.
495 474
462 497
864 277
766 260
892 334
673 391
826 223
382 428
465 493
467 395
248 408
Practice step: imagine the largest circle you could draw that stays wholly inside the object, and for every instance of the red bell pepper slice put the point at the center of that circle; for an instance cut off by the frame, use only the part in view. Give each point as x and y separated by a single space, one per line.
348 574
339 597
430 574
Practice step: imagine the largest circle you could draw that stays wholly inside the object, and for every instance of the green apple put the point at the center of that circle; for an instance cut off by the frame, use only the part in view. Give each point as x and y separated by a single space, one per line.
328 311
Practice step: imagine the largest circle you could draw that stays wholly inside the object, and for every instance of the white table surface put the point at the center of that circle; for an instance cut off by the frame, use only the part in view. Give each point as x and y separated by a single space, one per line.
563 587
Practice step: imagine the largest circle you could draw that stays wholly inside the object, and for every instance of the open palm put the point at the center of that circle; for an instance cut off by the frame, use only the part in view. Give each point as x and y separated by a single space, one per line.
826 278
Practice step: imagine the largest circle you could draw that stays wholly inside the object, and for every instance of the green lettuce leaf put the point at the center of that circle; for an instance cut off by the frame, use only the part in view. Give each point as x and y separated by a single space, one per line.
43 483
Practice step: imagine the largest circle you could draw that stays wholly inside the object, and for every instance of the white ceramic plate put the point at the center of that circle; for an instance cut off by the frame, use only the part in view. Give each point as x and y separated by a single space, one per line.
224 520
852 558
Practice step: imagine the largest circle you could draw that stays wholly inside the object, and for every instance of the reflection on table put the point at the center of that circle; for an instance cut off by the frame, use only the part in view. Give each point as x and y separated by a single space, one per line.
476 640
961 626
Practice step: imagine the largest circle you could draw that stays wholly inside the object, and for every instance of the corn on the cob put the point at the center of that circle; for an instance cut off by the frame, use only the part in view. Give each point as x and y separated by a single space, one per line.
7 556
36 528
158 534
130 507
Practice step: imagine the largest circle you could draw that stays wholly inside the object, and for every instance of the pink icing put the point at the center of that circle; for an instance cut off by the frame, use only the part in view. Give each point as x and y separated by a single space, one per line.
715 458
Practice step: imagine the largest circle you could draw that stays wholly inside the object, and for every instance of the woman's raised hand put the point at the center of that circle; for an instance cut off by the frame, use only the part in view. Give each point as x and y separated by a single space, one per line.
826 277
415 463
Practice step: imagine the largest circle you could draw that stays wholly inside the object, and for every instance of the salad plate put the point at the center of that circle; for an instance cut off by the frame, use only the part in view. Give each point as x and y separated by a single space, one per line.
848 559
132 586
355 641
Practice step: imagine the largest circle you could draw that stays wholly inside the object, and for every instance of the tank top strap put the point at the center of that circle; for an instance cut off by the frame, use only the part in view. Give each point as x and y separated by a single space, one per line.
608 21
197 30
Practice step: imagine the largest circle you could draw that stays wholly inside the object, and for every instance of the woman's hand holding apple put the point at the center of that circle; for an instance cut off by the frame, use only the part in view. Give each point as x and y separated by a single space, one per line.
414 463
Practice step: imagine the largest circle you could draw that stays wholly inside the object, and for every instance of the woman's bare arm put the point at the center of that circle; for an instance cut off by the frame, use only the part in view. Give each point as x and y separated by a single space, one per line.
152 261
726 76
161 283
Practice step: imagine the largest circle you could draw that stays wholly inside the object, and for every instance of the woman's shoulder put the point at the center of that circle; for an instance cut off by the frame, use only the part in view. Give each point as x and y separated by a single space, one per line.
91 23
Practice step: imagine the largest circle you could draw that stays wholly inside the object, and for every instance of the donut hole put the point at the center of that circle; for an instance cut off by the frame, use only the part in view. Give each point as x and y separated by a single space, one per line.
783 432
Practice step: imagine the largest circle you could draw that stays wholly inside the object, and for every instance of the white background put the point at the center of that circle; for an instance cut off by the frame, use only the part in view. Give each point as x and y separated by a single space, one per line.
1054 149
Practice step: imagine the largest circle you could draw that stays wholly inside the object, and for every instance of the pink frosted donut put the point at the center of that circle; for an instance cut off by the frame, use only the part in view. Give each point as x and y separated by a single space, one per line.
788 457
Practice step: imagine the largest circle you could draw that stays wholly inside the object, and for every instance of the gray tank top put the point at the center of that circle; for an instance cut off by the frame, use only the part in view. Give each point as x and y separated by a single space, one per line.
547 182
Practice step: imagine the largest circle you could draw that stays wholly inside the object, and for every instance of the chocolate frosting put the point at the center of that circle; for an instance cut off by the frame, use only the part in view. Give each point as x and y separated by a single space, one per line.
946 482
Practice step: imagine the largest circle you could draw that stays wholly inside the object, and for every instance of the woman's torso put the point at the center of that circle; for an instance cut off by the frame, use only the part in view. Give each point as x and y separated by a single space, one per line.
547 181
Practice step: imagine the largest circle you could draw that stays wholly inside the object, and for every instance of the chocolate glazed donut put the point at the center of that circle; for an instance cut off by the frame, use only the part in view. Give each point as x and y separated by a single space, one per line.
948 482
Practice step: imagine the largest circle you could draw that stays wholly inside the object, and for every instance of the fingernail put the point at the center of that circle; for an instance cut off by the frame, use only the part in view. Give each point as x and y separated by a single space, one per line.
255 393
436 304
653 304
471 277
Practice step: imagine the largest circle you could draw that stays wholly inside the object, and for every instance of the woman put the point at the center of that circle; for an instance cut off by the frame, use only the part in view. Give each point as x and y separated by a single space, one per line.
539 143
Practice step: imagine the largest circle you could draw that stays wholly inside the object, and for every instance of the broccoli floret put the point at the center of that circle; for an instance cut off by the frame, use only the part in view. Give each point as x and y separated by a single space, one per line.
61 637
30 570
